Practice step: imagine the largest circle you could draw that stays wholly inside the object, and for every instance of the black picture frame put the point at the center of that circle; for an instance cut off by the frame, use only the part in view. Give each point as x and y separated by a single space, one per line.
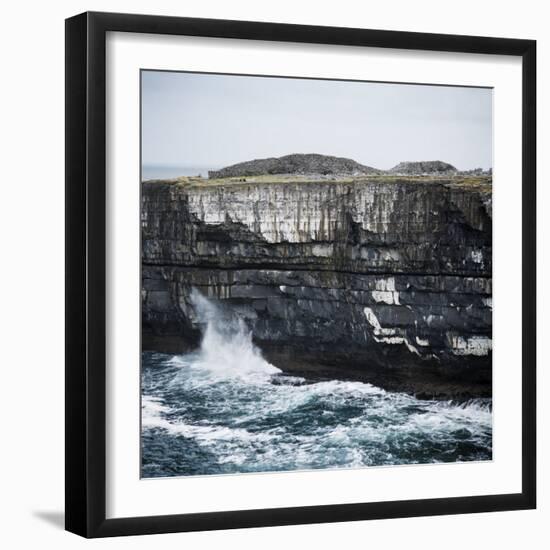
86 284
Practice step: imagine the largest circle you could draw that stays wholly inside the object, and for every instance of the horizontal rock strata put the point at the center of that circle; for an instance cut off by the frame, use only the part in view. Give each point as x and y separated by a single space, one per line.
383 281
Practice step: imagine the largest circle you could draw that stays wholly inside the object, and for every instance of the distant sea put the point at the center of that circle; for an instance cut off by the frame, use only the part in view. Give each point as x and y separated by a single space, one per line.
153 171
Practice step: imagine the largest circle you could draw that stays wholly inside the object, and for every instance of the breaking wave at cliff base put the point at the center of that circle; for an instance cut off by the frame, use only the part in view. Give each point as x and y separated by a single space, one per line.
224 409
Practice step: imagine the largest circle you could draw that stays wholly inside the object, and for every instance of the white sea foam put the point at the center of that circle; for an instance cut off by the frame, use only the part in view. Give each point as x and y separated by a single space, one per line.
153 416
152 413
227 350
223 398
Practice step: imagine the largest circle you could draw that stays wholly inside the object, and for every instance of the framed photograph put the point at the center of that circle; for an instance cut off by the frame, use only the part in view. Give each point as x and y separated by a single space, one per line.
300 274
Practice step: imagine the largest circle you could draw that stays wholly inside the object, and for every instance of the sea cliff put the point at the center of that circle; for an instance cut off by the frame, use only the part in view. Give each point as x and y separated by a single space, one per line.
377 278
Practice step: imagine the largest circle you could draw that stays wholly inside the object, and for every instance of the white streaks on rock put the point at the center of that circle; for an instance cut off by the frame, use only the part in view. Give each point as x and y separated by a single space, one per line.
476 256
372 319
387 335
294 213
385 291
422 342
473 345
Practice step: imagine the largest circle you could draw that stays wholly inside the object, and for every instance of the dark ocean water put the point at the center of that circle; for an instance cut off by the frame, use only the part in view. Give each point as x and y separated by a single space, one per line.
224 409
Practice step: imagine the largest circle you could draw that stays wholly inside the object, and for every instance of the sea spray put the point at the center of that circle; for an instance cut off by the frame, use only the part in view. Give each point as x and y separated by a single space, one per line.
226 348
224 409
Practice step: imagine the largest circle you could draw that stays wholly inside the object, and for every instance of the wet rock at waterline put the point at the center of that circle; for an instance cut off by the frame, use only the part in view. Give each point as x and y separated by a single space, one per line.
378 279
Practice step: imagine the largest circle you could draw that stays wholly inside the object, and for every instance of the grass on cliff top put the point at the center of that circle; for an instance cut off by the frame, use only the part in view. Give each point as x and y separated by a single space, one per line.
480 183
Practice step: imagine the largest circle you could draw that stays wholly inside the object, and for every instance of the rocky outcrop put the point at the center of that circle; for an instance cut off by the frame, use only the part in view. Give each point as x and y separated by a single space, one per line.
294 164
384 281
325 165
430 167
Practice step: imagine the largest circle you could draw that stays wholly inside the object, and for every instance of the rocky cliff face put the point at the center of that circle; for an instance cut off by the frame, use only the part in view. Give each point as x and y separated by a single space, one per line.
387 281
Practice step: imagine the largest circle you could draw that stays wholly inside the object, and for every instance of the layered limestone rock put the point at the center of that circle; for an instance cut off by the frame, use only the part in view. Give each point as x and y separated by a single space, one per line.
383 280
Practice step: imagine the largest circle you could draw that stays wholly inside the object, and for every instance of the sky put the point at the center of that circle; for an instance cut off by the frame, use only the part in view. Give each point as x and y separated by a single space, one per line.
193 119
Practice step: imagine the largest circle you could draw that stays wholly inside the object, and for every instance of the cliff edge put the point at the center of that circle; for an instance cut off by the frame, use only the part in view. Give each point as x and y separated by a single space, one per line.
385 280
